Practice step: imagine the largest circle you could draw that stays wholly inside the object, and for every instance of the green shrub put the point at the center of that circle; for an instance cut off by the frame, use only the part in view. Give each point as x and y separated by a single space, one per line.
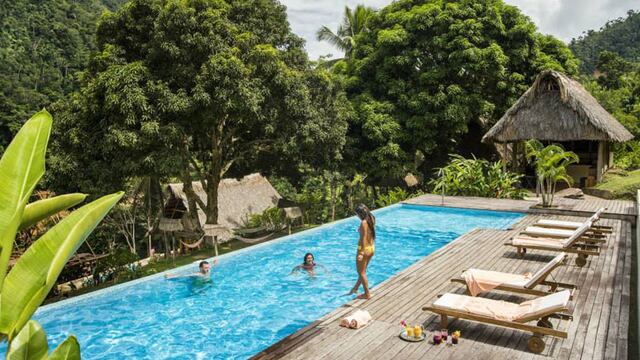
271 219
477 177
395 195
117 267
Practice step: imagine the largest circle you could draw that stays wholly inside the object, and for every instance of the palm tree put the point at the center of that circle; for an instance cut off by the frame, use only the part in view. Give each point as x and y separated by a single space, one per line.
551 166
353 23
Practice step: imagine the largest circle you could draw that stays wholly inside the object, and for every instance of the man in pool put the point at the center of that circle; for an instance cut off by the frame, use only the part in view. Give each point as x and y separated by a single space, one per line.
204 271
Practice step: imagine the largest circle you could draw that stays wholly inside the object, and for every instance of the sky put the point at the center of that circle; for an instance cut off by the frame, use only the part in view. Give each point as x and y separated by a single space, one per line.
565 19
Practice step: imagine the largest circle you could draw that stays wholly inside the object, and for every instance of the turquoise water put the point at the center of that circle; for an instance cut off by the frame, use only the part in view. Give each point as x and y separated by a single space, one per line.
253 301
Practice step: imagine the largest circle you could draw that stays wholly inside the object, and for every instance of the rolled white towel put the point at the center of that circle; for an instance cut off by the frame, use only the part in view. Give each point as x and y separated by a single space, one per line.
359 319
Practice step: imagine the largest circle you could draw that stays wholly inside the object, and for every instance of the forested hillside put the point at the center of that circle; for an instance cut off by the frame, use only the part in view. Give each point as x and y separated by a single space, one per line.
43 44
620 36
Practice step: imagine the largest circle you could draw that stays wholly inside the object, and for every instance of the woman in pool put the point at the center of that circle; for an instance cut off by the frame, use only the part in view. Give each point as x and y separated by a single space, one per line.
366 249
308 264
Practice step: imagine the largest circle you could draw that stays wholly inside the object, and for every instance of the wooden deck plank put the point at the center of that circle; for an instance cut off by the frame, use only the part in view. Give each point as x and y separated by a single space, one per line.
599 329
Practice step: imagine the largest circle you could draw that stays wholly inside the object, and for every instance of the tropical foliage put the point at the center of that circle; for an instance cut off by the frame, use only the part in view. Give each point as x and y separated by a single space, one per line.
198 89
27 284
551 167
354 22
425 70
477 177
620 36
618 90
272 219
42 45
395 195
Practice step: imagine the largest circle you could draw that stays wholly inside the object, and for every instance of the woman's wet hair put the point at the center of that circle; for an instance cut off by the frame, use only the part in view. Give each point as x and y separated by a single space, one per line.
365 214
304 261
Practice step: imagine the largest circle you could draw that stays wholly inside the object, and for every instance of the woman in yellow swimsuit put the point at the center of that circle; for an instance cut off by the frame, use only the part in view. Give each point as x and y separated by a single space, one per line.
366 249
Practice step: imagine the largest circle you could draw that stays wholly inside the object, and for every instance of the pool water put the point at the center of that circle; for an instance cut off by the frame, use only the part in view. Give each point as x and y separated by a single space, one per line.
253 301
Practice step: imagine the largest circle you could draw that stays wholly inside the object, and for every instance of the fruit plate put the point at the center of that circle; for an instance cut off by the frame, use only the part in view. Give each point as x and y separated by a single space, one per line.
403 336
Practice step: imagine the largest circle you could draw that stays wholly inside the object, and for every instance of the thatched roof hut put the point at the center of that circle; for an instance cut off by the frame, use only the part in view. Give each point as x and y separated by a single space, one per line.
557 108
237 200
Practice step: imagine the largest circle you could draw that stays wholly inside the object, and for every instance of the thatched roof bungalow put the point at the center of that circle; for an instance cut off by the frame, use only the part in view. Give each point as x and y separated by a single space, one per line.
558 109
237 200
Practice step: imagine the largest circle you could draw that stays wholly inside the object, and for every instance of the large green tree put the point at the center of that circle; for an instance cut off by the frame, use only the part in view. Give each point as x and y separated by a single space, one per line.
426 69
42 44
193 88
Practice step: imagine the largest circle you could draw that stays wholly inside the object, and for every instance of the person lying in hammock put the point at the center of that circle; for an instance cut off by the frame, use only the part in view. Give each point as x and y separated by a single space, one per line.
204 271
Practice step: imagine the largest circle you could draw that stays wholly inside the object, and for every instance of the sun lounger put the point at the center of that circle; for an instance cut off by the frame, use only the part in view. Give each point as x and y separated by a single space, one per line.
572 244
586 235
507 314
478 281
572 225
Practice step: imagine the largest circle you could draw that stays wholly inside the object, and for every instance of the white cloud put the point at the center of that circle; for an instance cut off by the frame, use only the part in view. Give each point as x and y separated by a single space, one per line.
567 19
564 19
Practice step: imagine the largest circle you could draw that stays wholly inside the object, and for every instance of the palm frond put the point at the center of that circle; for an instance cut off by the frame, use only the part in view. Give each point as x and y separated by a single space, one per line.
326 34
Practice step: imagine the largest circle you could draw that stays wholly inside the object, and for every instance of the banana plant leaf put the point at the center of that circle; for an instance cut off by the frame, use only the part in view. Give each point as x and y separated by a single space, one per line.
30 344
69 349
21 167
42 209
36 271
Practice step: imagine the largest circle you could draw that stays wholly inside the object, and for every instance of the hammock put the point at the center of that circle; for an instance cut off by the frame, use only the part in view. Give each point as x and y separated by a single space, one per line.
254 240
258 239
194 245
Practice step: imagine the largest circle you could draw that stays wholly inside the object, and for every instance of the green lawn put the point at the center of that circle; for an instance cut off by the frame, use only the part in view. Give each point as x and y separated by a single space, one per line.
622 186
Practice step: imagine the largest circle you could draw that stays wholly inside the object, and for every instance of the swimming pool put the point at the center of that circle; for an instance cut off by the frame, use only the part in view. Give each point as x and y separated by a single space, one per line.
253 301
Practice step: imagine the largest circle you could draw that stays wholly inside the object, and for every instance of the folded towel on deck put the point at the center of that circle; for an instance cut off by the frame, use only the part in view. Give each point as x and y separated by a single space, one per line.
357 320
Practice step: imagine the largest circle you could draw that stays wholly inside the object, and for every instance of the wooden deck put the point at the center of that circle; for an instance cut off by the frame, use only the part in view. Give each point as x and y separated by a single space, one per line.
599 329
616 209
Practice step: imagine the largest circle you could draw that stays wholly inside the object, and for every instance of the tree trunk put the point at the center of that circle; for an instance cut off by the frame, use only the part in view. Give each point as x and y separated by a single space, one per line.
149 220
214 176
332 191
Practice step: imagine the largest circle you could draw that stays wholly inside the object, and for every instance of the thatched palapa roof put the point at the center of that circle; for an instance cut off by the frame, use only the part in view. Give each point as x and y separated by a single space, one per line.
237 199
557 108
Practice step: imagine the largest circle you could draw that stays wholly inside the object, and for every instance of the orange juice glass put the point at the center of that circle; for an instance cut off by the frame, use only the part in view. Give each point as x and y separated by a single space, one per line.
417 331
409 330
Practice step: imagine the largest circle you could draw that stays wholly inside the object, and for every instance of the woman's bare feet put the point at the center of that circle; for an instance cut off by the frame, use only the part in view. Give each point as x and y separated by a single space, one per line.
364 296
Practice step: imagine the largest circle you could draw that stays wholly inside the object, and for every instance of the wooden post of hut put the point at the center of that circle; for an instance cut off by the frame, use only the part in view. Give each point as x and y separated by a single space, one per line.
214 231
170 225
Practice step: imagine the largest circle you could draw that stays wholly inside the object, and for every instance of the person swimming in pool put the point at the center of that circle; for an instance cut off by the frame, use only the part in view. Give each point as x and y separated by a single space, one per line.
308 264
204 271
366 249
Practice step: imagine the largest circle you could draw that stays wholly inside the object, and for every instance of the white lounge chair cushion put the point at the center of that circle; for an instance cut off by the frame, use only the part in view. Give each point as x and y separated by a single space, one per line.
570 224
496 309
560 223
500 277
537 277
503 310
530 242
545 305
551 232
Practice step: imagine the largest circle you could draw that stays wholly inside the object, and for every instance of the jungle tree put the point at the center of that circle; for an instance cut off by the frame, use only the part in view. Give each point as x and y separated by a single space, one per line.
425 70
190 88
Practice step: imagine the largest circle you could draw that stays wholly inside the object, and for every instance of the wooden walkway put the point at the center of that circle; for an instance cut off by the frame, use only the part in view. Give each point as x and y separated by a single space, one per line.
616 209
599 329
